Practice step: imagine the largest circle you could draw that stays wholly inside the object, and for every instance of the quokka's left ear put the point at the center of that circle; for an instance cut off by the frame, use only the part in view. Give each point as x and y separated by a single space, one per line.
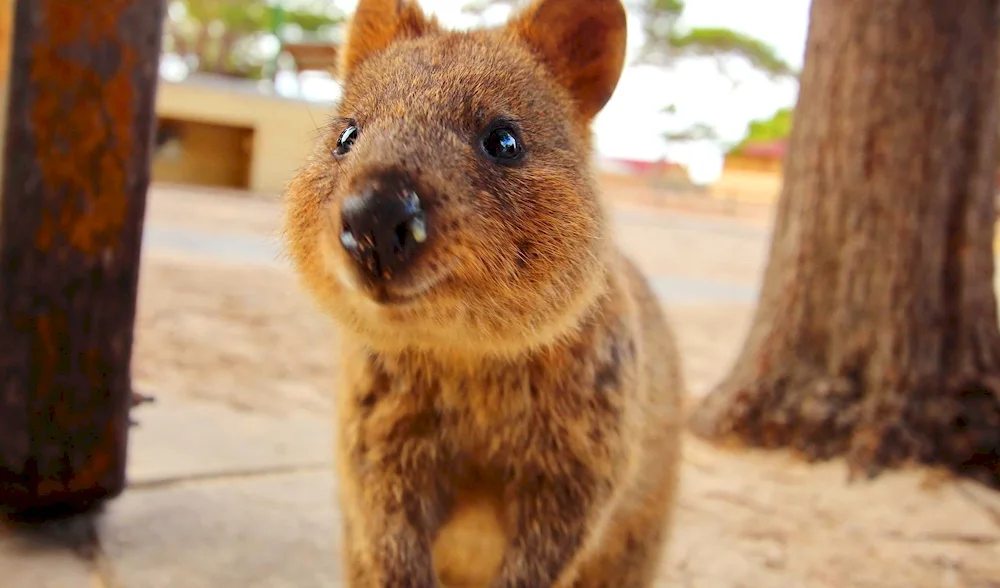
581 43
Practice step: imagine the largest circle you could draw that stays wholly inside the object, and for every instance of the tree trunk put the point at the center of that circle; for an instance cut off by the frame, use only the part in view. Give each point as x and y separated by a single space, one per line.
76 169
876 336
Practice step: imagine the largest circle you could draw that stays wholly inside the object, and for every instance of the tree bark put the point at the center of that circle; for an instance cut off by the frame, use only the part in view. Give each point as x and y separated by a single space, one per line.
76 168
876 335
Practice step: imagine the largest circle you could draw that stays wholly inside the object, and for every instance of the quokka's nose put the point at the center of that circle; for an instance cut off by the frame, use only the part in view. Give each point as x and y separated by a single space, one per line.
382 231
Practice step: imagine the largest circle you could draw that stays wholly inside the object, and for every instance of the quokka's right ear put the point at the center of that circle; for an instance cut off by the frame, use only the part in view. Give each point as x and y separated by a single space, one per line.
375 25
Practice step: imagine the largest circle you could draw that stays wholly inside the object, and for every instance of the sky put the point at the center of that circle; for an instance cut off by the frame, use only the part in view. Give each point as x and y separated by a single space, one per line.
631 125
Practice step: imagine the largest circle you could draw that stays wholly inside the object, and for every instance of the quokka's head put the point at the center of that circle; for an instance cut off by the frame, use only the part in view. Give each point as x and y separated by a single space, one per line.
450 204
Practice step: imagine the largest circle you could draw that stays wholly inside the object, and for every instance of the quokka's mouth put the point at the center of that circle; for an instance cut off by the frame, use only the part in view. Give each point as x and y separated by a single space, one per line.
387 296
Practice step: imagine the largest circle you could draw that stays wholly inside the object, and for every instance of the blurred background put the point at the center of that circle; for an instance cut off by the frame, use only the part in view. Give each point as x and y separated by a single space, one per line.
230 480
704 105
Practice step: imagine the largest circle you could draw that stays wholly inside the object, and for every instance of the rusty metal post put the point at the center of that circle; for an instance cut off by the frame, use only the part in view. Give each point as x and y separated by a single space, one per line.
76 167
6 42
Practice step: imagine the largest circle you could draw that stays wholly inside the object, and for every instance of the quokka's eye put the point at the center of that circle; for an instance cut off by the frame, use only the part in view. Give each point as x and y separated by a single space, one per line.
346 140
502 145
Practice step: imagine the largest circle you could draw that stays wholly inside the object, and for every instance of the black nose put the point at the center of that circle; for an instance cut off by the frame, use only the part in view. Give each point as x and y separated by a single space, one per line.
382 232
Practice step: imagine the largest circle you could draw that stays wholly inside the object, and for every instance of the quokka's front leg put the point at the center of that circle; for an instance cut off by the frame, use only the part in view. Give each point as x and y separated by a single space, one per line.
397 496
553 503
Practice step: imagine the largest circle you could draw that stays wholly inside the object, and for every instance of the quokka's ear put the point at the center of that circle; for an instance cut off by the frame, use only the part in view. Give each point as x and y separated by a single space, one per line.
581 43
375 25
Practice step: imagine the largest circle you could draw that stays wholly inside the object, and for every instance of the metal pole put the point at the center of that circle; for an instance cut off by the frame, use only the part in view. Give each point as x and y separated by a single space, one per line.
80 112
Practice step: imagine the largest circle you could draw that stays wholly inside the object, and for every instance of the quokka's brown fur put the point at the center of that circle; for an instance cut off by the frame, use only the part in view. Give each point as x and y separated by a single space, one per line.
508 404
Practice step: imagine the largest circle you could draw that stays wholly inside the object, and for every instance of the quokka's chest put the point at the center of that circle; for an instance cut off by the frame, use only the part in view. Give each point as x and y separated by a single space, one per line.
463 418
469 547
483 427
485 413
486 424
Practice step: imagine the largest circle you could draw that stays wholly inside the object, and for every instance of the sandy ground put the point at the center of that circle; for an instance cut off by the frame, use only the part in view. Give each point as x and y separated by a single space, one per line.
242 333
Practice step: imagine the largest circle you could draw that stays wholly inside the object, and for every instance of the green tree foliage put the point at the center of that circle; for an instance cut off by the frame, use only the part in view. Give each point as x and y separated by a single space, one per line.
228 36
715 42
778 126
666 41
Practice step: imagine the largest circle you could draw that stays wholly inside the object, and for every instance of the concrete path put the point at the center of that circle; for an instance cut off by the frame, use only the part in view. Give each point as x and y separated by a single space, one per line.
216 499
